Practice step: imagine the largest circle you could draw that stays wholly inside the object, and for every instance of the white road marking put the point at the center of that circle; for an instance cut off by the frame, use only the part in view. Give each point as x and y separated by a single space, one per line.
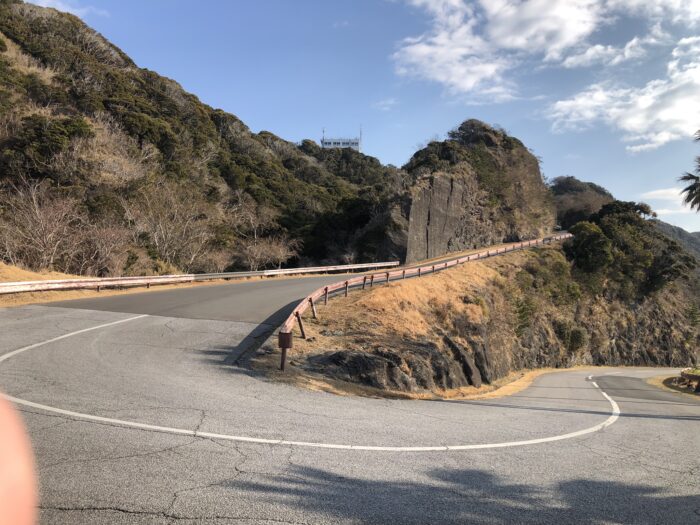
595 384
7 356
615 414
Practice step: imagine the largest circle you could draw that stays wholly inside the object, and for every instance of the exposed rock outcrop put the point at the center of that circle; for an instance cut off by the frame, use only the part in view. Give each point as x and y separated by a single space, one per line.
479 187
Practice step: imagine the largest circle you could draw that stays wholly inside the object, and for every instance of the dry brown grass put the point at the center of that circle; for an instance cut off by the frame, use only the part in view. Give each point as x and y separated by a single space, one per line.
9 273
669 383
27 64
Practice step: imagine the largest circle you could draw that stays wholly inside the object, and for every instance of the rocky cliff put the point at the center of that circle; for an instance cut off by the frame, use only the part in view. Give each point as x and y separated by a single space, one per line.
477 188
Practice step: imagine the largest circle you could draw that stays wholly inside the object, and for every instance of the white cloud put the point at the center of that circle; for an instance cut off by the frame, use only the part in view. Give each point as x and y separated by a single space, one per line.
612 55
678 11
472 47
71 7
649 116
452 54
672 199
540 26
386 104
674 211
663 194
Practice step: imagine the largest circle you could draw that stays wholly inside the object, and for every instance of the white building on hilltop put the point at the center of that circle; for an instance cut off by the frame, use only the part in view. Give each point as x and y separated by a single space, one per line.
352 143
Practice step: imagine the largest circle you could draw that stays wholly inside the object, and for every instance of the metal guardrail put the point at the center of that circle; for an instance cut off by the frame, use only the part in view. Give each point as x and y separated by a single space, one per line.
286 336
123 282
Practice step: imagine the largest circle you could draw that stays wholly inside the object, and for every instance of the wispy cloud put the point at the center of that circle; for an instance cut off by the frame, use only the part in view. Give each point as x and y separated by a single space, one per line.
672 201
71 7
341 23
674 211
386 104
477 48
663 194
649 116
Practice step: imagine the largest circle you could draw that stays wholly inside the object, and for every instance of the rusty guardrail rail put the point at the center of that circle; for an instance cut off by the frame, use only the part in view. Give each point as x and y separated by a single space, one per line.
286 336
99 283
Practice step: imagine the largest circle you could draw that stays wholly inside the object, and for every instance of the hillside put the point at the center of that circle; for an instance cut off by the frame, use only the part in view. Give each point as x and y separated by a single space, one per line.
112 151
576 200
78 113
690 241
618 293
479 187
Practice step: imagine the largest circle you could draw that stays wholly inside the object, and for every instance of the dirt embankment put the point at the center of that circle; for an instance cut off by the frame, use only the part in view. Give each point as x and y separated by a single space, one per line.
470 328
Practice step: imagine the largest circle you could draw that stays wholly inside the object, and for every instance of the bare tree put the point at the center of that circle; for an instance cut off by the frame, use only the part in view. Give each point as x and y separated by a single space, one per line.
281 249
175 220
37 225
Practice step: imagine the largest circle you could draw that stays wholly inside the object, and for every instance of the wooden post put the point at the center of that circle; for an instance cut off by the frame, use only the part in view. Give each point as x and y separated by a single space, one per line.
419 272
301 325
387 277
364 282
283 361
313 308
371 281
325 296
347 285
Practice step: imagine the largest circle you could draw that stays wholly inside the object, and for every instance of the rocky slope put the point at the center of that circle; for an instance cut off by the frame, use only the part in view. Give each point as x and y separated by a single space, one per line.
618 293
479 187
475 324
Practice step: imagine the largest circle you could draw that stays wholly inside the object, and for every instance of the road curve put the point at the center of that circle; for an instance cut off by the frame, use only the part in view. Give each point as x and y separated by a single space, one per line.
138 416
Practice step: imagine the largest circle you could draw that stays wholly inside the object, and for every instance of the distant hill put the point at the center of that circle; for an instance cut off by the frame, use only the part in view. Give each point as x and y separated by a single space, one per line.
690 241
133 155
576 200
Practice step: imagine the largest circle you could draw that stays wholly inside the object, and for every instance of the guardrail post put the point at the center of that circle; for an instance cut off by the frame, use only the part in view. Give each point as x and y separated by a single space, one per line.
285 343
301 325
364 282
313 307
403 275
347 285
419 273
371 281
433 268
325 296
387 277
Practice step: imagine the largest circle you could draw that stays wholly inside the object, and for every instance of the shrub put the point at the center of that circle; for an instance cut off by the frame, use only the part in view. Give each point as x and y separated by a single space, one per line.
590 249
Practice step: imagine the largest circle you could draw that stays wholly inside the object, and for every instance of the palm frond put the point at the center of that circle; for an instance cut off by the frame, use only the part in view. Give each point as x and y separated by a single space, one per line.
691 193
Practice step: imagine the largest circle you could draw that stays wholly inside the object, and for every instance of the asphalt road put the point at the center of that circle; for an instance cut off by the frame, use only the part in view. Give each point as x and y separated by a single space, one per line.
137 415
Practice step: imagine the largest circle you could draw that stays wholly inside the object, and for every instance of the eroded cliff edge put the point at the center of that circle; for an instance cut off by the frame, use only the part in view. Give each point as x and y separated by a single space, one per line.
480 187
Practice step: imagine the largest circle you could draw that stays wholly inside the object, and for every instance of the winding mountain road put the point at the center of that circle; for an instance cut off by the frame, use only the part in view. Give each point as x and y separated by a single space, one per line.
139 414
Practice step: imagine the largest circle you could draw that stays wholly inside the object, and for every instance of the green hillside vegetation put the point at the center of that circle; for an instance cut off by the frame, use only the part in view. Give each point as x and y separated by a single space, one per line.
82 120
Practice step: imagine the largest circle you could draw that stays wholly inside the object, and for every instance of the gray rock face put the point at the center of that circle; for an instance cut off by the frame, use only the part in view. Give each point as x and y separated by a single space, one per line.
447 216
479 188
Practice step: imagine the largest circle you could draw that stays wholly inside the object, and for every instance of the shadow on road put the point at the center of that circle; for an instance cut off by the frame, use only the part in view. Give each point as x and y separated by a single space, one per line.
469 496
236 357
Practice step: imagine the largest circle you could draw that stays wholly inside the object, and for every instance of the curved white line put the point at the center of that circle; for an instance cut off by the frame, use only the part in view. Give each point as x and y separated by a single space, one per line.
196 433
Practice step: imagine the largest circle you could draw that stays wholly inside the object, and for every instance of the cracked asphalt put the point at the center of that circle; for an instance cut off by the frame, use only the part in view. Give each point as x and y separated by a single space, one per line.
176 368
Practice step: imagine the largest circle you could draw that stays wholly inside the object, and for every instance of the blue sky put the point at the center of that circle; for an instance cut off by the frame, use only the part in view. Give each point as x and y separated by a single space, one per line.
605 90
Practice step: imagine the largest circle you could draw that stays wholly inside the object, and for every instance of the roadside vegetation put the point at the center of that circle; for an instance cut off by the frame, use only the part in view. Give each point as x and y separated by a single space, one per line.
90 143
619 293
